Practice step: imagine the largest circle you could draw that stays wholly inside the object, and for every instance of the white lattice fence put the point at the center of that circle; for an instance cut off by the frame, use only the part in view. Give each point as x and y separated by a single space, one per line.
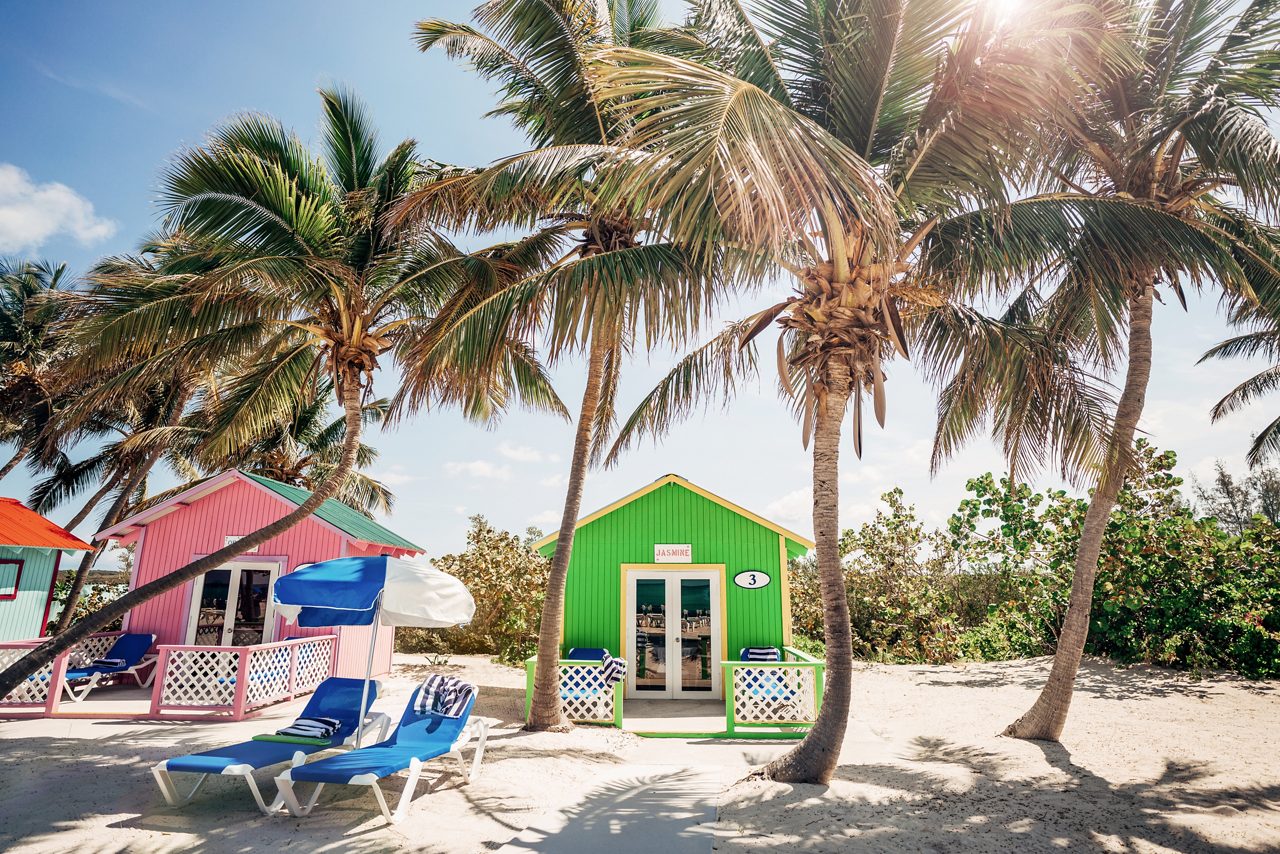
33 690
775 694
314 660
90 649
583 693
200 677
268 675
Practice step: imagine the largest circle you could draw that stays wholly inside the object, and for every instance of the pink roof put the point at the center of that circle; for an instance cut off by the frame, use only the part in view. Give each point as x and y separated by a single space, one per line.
27 529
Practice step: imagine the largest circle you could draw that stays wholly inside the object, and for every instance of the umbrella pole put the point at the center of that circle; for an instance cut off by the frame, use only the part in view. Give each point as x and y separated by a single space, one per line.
368 669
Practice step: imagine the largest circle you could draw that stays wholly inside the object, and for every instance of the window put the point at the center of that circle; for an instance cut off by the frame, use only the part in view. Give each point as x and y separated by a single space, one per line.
10 572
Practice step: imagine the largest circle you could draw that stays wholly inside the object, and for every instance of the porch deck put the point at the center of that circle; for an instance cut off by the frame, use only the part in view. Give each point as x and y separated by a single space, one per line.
191 682
669 717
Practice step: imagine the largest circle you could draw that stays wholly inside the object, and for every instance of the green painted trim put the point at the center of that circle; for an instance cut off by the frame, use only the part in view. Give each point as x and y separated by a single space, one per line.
339 515
529 666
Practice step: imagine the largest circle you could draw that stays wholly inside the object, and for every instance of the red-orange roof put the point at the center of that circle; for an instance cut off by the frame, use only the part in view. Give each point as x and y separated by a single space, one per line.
26 528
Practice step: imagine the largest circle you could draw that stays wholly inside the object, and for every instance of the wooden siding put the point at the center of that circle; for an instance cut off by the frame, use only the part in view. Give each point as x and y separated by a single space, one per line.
20 617
173 540
672 514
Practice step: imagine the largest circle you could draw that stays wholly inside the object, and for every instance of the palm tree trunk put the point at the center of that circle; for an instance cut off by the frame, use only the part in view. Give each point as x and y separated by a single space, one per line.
89 558
118 511
46 652
545 712
107 485
814 759
1045 719
21 455
114 514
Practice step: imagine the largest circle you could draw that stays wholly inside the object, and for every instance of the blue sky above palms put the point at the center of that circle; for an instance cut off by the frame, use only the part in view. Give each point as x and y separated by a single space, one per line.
97 96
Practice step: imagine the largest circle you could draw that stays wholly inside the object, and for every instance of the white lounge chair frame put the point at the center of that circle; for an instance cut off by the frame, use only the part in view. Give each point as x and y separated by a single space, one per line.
476 729
77 695
377 720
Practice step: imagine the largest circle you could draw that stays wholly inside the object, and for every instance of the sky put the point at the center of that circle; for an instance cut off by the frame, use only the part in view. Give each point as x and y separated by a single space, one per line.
97 97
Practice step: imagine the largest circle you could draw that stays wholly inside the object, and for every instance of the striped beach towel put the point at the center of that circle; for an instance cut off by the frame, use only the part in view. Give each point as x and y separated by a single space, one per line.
612 670
761 653
311 728
444 695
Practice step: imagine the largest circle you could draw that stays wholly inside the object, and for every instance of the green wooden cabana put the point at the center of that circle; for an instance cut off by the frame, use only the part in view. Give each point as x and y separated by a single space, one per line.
677 581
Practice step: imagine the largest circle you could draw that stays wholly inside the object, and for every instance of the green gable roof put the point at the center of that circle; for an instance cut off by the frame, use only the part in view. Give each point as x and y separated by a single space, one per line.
796 544
338 515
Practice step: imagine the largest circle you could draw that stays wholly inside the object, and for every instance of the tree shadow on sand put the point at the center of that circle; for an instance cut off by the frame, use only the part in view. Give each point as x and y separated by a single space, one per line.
950 797
50 774
1102 679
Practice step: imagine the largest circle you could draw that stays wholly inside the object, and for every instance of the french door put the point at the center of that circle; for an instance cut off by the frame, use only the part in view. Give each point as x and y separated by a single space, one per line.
231 605
674 639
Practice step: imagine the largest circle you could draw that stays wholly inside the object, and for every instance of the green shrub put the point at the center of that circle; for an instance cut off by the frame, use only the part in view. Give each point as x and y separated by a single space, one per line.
508 581
1172 589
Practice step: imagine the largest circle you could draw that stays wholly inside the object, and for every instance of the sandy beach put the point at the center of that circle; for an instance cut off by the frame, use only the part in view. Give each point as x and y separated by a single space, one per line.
1151 761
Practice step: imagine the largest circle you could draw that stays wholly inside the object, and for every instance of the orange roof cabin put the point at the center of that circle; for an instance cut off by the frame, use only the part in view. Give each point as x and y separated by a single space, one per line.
31 548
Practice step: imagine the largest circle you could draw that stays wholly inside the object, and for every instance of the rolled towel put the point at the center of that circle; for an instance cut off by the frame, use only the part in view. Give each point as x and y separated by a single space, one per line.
444 695
612 670
311 728
761 653
108 662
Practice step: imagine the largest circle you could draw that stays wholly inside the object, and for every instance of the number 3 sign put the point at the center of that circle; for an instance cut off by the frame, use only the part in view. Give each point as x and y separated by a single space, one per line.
751 579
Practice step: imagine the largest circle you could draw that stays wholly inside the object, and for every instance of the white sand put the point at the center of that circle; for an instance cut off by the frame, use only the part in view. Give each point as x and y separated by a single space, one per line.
1150 762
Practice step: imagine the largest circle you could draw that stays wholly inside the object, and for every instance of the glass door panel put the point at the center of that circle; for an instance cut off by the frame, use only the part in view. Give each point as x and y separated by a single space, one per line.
651 635
251 607
695 636
211 616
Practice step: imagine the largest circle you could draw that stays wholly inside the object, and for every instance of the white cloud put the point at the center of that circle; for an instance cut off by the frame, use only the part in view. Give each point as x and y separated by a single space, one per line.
793 509
554 480
526 454
31 213
460 510
396 476
478 468
545 519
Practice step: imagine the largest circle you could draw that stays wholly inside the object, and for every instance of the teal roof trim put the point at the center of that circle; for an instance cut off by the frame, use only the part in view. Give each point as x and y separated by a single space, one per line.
339 515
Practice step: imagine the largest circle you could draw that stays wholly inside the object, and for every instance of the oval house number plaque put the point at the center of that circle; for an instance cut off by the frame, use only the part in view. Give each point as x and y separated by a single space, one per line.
752 579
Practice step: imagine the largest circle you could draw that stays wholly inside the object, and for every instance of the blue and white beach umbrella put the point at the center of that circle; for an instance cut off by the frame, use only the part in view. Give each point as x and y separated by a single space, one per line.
359 591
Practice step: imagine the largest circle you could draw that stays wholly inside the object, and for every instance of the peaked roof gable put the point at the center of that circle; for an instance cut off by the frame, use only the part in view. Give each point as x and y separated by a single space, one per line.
332 512
340 515
25 528
805 542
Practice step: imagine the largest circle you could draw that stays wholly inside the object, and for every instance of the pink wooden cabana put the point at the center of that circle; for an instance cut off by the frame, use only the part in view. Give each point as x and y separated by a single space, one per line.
220 647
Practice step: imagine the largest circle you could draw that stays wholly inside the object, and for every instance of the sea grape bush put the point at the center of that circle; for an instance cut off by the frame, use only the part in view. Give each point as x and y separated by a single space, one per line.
507 579
1172 589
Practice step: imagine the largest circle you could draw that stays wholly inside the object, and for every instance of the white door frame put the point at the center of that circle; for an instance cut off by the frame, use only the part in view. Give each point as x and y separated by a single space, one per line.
233 597
674 652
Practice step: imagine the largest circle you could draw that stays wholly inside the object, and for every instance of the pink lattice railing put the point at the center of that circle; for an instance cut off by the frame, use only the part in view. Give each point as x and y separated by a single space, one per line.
41 692
238 679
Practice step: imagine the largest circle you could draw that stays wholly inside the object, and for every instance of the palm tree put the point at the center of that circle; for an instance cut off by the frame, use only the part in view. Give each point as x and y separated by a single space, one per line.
828 139
140 419
1262 340
1152 180
300 449
612 280
33 355
281 267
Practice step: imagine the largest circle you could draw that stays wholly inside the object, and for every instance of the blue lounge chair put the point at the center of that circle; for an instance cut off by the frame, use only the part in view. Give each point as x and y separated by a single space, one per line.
333 698
420 738
131 650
